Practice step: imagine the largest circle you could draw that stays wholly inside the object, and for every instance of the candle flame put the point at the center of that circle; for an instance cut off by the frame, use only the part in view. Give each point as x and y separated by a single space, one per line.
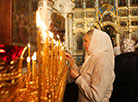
44 2
58 37
2 51
57 43
62 48
60 57
34 56
54 41
44 27
28 59
51 34
44 34
29 45
38 19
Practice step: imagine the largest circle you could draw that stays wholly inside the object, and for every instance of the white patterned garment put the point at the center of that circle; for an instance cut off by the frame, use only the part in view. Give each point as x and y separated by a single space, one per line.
127 45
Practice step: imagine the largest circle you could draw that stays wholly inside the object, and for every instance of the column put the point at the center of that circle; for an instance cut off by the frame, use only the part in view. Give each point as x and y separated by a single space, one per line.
129 35
70 22
66 32
97 9
118 39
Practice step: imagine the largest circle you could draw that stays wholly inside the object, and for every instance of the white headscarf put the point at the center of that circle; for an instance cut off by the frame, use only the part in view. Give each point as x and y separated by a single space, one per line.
100 42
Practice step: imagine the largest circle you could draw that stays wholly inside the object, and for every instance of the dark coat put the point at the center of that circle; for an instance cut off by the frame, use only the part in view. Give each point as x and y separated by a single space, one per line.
125 87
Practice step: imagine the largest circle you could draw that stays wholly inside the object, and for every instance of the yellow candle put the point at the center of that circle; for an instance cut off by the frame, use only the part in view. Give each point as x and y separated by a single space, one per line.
38 24
45 62
55 60
28 64
29 49
21 61
60 59
34 64
52 52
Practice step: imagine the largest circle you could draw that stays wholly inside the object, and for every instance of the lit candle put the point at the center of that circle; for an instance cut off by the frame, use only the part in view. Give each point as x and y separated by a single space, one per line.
45 61
38 24
21 61
55 60
60 59
34 64
52 52
21 58
28 64
58 38
29 49
38 19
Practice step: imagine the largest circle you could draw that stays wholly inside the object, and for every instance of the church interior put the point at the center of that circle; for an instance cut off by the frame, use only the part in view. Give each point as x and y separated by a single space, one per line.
36 31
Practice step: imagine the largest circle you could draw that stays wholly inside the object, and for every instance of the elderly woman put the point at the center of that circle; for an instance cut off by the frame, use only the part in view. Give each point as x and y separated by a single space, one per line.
126 71
96 76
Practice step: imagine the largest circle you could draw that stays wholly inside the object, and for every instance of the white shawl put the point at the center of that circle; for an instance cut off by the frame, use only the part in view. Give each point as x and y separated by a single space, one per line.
97 72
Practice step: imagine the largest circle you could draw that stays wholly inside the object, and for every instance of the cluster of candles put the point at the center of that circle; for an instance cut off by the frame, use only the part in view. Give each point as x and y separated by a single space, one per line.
48 72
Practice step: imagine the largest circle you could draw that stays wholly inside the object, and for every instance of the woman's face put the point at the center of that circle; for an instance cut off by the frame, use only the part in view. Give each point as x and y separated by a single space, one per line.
86 42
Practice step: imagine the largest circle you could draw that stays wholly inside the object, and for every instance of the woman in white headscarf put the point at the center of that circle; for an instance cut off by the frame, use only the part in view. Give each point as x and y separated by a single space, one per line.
96 76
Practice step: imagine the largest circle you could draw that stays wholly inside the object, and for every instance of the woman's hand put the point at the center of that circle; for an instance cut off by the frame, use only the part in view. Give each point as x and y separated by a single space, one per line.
74 73
70 59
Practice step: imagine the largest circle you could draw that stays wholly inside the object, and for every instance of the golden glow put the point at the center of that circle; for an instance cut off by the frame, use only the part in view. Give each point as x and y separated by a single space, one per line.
44 2
44 27
38 19
51 34
44 34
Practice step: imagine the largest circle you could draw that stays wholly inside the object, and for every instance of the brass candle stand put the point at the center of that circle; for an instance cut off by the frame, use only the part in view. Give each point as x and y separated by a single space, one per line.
44 84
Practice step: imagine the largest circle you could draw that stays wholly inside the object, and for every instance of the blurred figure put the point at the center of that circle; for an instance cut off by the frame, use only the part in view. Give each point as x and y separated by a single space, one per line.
95 77
125 87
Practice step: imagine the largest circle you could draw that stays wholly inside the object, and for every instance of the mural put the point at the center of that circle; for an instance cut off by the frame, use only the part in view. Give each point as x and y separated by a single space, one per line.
24 23
122 2
123 23
79 42
90 3
123 12
78 3
107 17
58 25
79 15
134 2
90 14
134 12
101 2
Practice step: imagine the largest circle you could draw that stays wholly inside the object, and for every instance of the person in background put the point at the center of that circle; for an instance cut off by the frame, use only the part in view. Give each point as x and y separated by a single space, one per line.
125 87
136 46
95 77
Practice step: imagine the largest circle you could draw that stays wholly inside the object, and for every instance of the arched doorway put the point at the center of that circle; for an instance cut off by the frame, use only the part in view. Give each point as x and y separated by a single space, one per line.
110 30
